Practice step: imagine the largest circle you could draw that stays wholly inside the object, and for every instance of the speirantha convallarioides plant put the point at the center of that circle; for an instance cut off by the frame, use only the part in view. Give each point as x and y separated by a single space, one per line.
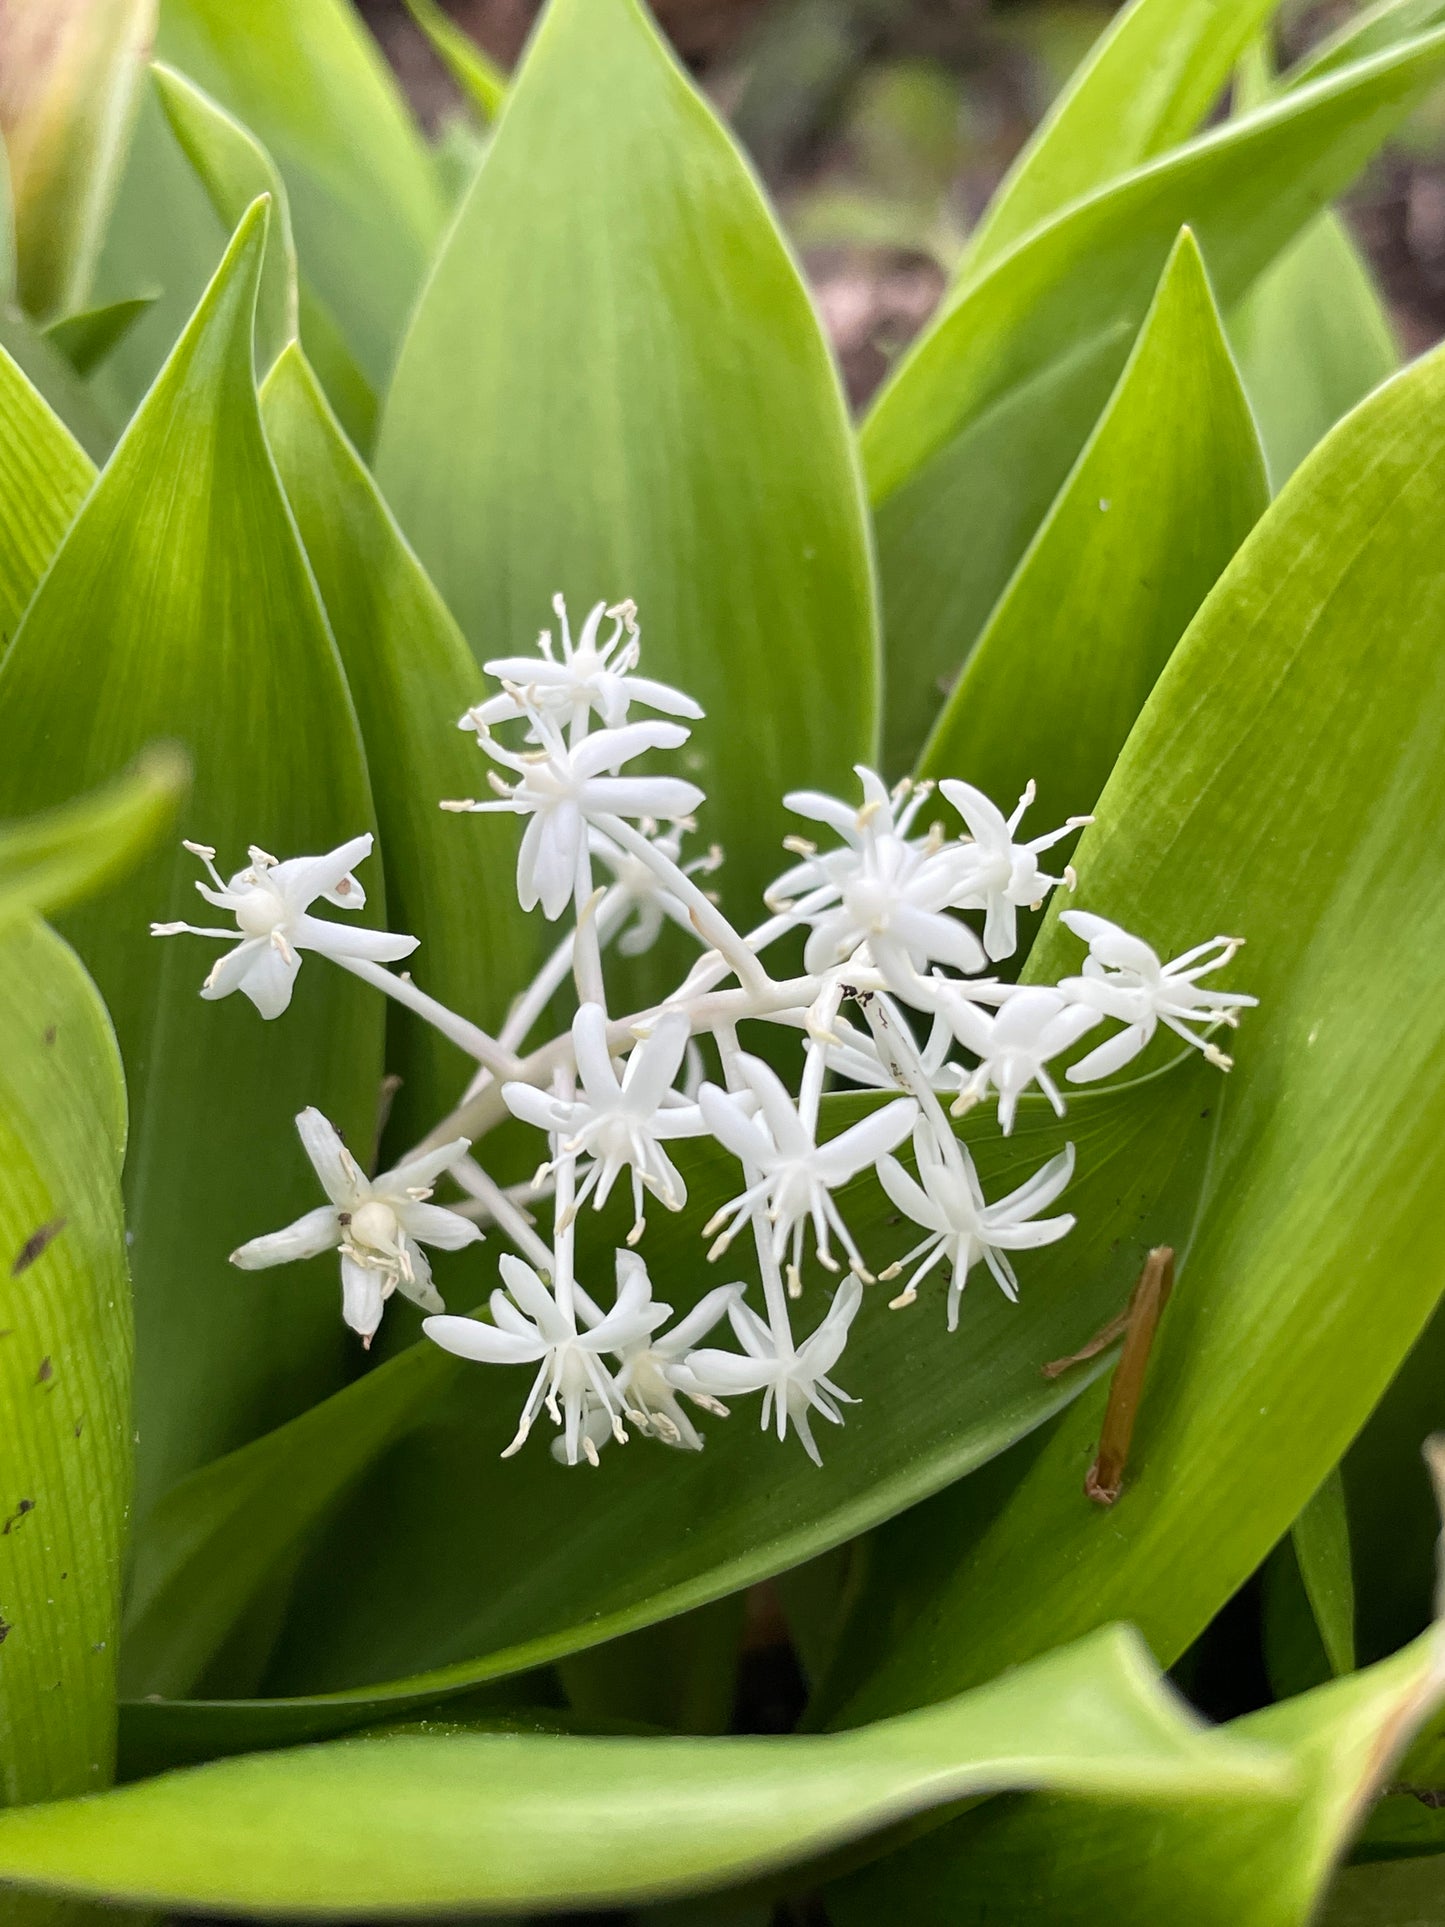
885 906
796 1019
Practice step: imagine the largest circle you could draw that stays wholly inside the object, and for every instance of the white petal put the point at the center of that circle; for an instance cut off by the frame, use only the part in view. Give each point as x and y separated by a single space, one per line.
362 1302
341 1178
468 1338
318 1231
863 1143
432 1224
342 940
609 749
1112 1055
589 1047
268 979
667 798
414 1174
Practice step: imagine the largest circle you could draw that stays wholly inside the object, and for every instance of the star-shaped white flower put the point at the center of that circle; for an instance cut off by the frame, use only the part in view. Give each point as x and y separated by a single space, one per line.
592 674
880 889
563 789
947 1200
1013 1045
646 895
649 1372
271 903
1125 979
998 874
618 1122
378 1224
793 1379
531 1327
762 1128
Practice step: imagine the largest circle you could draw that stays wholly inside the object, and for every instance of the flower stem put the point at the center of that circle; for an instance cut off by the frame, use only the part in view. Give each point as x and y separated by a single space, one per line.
460 1031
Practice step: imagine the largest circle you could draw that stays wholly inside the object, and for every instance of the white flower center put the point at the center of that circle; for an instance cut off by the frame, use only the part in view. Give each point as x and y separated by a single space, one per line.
261 911
374 1225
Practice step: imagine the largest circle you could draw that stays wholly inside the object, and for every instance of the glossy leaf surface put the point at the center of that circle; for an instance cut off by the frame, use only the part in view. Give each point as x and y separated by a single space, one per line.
64 1371
615 386
420 1825
44 477
1168 486
171 612
1263 1859
1236 805
413 677
1043 335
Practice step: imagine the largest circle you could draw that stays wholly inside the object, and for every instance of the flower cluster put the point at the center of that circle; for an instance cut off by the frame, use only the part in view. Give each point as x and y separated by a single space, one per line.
904 920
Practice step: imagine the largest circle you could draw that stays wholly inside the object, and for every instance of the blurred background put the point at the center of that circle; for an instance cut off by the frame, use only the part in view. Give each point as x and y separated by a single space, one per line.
882 126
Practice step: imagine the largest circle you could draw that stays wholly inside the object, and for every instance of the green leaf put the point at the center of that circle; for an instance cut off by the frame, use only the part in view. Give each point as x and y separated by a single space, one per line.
71 70
480 79
189 613
403 1581
234 168
1259 1859
49 371
413 677
1405 1894
615 386
421 1825
1237 804
1148 83
1168 486
1321 1537
64 1371
44 477
1370 31
1058 312
1313 337
86 337
48 862
310 83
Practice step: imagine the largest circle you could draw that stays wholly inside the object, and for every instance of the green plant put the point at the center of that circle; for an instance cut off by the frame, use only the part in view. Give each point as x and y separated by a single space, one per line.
383 1653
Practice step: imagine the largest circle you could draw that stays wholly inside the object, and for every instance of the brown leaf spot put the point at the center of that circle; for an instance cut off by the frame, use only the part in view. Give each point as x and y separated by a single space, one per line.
33 1246
46 1372
50 1033
25 1505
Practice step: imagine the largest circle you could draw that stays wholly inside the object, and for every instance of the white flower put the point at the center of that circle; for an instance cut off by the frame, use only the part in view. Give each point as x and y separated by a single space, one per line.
1124 979
618 1122
793 1379
1013 1044
762 1128
880 889
590 676
563 789
531 1326
270 902
645 892
947 1200
649 1372
378 1224
997 874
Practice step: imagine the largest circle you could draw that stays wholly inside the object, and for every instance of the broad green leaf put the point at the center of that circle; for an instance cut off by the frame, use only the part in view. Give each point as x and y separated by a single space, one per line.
1059 310
188 613
405 1582
69 74
418 1825
64 1371
1262 1859
50 372
452 883
86 337
163 234
480 79
1402 1893
1168 486
1321 1537
1371 31
47 862
1147 85
234 168
1313 338
1237 804
44 477
615 386
310 83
